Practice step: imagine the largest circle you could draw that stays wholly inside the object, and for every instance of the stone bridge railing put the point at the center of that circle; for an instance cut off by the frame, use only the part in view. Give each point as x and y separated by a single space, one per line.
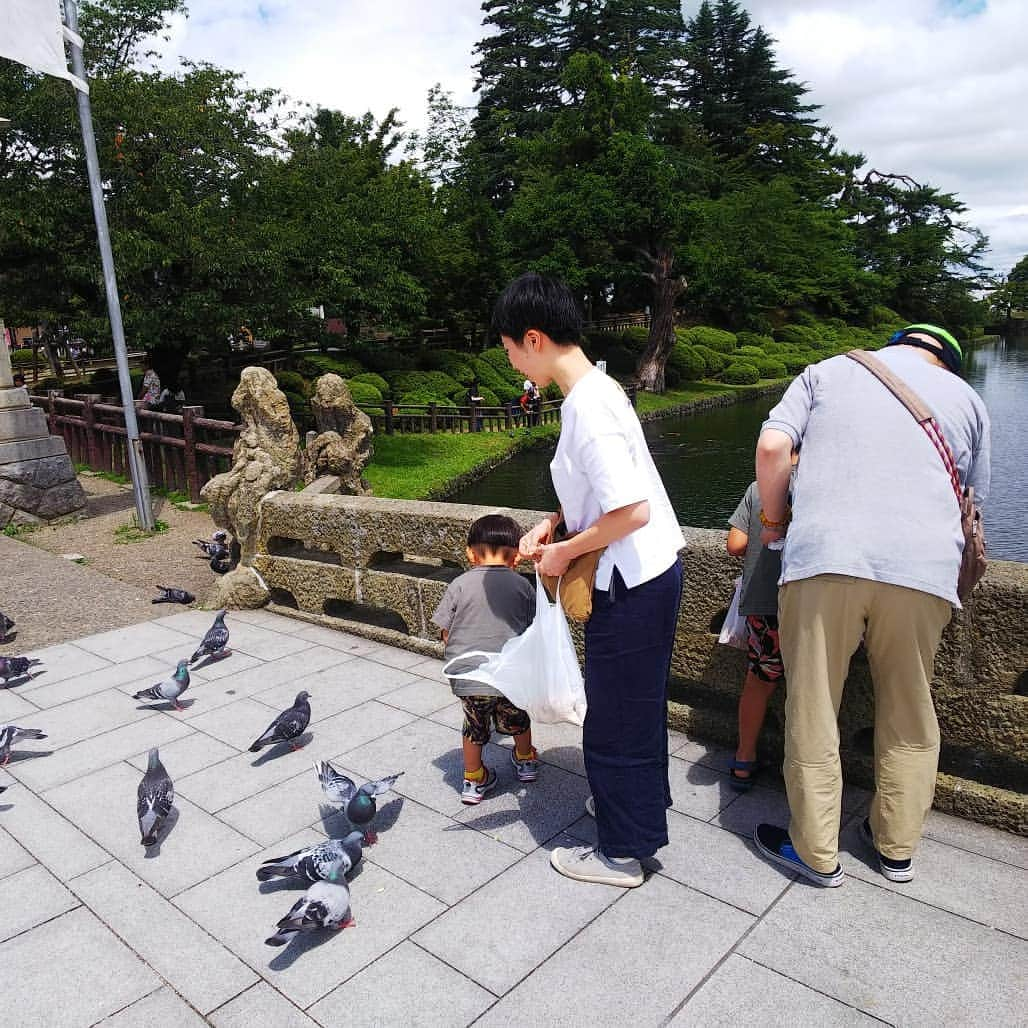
379 567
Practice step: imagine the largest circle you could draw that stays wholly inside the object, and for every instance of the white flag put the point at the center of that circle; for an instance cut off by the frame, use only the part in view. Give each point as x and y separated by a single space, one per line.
31 33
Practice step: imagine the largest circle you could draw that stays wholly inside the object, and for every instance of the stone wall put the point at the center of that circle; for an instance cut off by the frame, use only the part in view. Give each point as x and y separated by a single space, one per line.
379 567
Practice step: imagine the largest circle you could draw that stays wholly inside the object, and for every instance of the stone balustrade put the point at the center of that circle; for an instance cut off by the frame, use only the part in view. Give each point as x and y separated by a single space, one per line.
380 566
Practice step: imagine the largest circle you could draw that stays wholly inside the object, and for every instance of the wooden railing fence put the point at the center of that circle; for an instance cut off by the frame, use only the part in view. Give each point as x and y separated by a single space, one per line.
182 451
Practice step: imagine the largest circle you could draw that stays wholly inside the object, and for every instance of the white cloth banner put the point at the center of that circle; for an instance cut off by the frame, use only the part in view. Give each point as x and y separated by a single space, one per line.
31 33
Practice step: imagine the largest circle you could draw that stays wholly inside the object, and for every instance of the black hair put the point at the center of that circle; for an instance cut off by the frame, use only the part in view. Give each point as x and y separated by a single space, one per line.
535 301
495 532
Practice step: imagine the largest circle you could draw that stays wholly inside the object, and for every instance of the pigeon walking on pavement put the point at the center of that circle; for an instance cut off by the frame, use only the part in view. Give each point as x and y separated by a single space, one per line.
215 641
155 796
169 689
172 595
288 725
16 667
6 624
326 904
360 803
314 863
10 734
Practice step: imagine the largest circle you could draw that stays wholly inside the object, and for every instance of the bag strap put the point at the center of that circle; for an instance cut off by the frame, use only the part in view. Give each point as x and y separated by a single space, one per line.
921 413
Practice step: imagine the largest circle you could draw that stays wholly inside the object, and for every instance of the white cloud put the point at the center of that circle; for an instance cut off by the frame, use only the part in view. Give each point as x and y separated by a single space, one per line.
916 88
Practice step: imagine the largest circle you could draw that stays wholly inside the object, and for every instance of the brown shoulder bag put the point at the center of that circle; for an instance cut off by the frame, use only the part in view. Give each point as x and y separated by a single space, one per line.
576 584
973 562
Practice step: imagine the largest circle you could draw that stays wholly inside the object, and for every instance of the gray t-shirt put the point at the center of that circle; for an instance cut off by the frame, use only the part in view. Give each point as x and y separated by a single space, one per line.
761 567
871 497
481 610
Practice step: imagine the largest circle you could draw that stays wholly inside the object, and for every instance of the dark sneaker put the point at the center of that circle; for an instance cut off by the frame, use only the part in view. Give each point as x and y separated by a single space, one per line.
894 870
775 844
527 770
474 792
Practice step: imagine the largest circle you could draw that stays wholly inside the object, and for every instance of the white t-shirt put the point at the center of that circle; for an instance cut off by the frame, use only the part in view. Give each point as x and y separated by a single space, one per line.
602 463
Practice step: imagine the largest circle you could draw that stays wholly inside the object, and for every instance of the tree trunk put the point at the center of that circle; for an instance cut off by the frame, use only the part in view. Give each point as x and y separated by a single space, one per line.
667 287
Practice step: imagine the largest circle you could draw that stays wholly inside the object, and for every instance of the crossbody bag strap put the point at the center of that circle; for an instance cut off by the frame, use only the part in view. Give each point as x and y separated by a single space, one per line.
921 413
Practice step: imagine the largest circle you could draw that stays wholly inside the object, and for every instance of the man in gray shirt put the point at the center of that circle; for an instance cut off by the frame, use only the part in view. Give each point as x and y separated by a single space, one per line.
873 548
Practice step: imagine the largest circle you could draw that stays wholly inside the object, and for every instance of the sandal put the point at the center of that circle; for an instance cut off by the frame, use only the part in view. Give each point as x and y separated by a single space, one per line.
742 784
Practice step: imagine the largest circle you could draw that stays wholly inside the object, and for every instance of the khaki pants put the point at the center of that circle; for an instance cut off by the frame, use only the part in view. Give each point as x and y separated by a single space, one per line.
821 620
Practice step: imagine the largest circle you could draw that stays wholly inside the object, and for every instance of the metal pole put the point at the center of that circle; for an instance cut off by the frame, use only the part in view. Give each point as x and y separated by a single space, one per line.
137 465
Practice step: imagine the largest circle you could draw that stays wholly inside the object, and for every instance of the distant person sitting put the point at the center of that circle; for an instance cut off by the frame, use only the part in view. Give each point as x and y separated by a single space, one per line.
171 402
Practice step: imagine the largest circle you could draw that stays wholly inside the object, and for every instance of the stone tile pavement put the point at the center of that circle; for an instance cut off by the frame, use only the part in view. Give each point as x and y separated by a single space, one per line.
460 918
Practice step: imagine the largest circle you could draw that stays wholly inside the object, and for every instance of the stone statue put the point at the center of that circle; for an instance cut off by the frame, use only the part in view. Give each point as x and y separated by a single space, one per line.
266 457
342 447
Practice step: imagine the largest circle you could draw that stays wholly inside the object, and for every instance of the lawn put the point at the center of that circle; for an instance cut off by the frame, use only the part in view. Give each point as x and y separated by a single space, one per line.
416 466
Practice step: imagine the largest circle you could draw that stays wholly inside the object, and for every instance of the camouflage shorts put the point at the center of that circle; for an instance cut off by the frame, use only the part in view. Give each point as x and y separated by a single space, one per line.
483 713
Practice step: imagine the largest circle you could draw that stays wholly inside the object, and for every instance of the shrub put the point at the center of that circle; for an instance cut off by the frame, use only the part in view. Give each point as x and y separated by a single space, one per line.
297 405
292 382
886 317
685 364
741 373
703 335
773 347
714 362
383 359
22 356
422 396
802 317
750 351
457 365
769 368
621 360
496 358
315 364
635 338
434 383
372 379
364 394
795 335
491 379
744 339
794 362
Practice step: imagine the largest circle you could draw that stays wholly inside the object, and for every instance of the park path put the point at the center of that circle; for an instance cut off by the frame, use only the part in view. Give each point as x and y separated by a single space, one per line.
460 918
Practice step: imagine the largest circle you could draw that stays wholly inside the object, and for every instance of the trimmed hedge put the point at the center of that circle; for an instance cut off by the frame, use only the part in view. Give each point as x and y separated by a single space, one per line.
23 356
370 378
750 351
436 384
704 335
744 339
685 364
715 362
634 339
315 364
364 394
741 373
769 368
292 382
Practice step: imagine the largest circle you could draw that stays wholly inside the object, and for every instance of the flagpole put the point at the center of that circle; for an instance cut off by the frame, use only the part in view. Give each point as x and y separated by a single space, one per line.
136 462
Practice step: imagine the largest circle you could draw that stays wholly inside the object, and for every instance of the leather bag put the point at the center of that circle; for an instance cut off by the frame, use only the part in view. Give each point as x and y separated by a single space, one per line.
972 562
576 584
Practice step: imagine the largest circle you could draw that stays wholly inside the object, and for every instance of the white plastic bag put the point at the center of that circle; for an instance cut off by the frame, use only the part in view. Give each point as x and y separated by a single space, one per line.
538 670
733 631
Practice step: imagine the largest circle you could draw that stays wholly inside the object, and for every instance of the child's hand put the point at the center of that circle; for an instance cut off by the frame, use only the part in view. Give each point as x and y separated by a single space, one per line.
770 535
532 542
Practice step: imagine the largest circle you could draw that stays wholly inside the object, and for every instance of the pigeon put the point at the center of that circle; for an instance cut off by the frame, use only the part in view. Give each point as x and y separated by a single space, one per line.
155 797
10 734
16 667
217 544
360 803
215 641
6 624
220 562
325 904
288 725
169 689
314 863
170 595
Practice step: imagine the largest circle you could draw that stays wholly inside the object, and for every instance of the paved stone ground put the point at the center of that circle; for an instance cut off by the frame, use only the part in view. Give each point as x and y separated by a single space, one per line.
459 917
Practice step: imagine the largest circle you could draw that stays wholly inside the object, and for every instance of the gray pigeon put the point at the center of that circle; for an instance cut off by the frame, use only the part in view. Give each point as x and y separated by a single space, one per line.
325 904
10 734
314 863
170 689
169 594
16 667
155 796
360 803
6 624
288 725
215 641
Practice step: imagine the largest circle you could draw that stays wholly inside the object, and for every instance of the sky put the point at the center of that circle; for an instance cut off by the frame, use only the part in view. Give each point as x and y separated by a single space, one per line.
934 89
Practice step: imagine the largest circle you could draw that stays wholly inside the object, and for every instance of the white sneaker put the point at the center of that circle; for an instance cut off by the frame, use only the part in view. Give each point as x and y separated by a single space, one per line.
588 864
473 793
590 805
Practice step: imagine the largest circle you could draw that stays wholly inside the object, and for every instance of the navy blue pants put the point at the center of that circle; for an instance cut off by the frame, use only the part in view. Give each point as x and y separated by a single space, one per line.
628 642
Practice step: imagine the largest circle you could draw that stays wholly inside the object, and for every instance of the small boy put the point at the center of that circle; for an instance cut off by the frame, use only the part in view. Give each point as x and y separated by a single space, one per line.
758 602
481 610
